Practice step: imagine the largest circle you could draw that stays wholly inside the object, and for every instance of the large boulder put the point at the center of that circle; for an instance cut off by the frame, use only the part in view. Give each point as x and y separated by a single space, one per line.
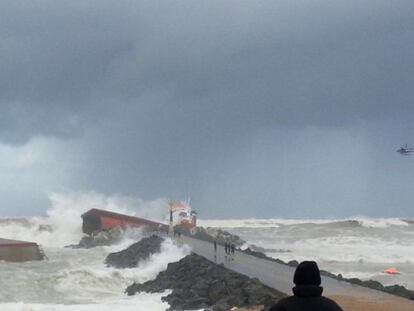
197 283
131 256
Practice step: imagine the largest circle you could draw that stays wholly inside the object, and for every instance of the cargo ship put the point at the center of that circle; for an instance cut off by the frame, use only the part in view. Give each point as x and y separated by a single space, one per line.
96 220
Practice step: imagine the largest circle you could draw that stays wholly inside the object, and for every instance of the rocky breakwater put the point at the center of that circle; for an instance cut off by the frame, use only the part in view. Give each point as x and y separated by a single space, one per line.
100 238
130 257
112 236
197 283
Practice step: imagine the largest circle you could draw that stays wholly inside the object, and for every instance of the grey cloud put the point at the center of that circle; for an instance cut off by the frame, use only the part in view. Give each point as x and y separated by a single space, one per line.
276 62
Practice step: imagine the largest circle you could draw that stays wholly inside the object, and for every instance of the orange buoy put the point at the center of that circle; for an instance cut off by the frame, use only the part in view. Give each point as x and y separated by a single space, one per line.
392 270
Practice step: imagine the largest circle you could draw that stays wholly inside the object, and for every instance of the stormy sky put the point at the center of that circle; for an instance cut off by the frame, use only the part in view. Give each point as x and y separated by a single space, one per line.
250 108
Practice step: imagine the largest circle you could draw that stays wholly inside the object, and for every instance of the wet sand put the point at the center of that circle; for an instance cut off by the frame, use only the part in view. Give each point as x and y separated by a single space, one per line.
349 303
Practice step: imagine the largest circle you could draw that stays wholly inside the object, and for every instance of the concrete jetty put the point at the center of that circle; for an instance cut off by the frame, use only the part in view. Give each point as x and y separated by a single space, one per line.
349 296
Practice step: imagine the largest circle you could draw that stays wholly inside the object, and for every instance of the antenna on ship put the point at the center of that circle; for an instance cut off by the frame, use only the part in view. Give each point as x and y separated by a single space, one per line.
171 204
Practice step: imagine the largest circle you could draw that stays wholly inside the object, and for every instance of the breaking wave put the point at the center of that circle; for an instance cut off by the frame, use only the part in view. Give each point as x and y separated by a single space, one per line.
79 280
278 222
62 224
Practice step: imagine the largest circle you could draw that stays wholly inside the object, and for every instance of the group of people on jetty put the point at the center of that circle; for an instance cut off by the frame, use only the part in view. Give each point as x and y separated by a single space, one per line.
229 249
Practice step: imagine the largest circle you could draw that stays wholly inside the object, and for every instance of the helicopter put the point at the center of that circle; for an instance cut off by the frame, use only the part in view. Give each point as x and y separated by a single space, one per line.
405 150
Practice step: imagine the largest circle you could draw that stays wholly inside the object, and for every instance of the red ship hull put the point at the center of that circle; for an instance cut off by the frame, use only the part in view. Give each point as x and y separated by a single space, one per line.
13 250
98 220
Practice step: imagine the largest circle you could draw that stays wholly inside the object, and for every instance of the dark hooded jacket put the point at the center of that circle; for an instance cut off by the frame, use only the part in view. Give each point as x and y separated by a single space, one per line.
307 294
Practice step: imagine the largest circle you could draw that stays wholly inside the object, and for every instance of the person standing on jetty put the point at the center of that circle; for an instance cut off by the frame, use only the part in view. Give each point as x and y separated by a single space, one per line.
307 294
215 250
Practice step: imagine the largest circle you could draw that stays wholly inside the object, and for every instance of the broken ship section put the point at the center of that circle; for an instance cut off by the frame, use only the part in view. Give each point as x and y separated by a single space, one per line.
19 251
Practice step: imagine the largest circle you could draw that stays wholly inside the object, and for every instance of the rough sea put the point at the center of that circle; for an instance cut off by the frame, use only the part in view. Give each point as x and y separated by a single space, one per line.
77 279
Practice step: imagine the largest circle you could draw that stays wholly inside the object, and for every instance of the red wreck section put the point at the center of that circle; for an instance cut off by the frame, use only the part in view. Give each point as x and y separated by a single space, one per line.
98 220
19 251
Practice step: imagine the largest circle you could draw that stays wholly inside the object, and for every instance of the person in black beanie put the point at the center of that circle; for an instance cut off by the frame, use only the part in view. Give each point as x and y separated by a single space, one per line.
307 294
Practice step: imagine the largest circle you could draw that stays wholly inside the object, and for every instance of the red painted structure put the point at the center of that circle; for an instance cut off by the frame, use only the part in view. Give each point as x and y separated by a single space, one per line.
13 250
15 243
181 214
98 220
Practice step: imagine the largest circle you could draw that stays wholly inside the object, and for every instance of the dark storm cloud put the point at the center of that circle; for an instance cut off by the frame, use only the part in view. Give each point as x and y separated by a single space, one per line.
261 62
163 93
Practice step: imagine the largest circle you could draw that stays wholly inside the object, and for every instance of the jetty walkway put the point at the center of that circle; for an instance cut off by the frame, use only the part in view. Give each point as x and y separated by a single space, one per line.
350 297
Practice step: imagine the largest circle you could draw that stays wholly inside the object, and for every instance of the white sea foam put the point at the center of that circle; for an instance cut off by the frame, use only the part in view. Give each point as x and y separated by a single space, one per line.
170 252
345 249
62 224
79 278
381 222
277 222
139 302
